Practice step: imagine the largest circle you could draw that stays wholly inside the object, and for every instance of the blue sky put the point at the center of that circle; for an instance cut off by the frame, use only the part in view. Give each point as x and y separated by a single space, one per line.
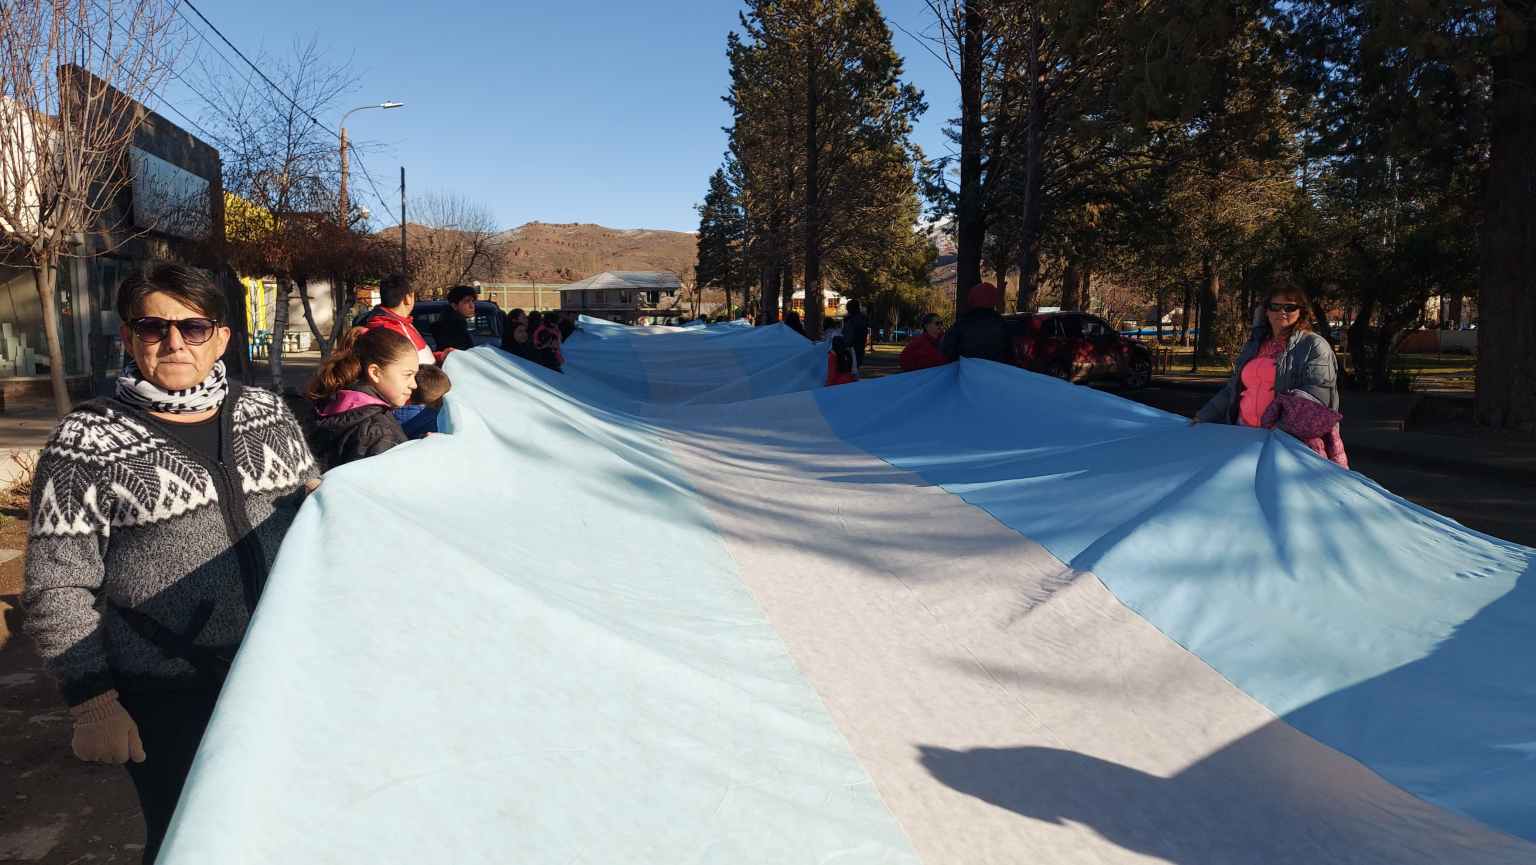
603 111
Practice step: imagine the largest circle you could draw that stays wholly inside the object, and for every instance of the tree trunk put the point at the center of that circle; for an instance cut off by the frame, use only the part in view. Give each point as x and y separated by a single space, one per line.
1189 309
970 220
1071 282
309 317
1194 356
813 300
769 278
1360 346
341 294
237 358
786 288
1506 339
279 330
45 277
1029 277
1034 175
1381 359
1210 295
1158 313
1002 282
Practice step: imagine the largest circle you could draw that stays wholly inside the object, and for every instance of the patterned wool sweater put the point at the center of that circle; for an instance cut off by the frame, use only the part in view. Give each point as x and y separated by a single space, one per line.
145 559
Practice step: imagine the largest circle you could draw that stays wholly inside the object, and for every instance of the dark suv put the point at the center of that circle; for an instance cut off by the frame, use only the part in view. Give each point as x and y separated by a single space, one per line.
1078 347
486 327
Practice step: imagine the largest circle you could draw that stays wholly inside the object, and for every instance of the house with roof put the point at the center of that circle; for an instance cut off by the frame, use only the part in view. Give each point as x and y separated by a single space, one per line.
626 296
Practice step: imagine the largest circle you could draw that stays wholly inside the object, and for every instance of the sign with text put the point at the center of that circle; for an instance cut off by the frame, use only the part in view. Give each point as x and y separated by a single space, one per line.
169 199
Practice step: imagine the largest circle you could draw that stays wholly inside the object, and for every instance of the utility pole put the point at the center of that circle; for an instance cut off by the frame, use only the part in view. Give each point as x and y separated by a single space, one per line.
343 211
343 196
403 269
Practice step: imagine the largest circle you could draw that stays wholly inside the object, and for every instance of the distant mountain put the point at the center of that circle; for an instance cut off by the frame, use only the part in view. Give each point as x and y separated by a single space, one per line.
550 252
565 252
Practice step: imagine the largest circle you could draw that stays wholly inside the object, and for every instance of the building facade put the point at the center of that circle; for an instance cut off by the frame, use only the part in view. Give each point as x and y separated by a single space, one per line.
628 297
171 210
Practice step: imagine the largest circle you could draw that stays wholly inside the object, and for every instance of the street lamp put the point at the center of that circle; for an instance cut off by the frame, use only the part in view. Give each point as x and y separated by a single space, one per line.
343 207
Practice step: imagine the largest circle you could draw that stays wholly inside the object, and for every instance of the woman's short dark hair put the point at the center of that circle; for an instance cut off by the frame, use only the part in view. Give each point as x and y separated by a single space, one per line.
929 318
188 285
1298 295
459 292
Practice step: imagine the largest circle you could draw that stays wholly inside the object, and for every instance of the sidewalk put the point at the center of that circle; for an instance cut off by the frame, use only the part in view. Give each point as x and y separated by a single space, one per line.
24 429
1376 424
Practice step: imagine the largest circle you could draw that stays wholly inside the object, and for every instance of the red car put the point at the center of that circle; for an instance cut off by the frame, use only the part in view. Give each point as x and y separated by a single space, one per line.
1078 347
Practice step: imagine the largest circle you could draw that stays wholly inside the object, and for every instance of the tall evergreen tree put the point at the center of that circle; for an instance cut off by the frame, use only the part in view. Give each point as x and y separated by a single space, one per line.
1506 366
722 240
816 88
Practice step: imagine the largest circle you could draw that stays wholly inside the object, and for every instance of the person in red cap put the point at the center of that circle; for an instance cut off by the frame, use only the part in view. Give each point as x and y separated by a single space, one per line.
980 331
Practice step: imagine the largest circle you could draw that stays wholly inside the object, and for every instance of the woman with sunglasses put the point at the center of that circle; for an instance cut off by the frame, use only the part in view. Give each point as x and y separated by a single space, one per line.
156 515
1281 356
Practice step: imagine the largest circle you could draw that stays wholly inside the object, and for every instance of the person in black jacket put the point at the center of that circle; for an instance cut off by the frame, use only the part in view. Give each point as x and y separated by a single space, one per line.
980 331
356 390
516 340
452 330
568 324
856 330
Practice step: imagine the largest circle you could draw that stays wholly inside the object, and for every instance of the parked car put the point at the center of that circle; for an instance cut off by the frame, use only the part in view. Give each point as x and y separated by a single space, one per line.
1078 347
486 327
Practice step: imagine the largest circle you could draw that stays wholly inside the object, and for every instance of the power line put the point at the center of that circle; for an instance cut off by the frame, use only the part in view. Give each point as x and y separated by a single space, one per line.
384 202
254 67
369 177
142 82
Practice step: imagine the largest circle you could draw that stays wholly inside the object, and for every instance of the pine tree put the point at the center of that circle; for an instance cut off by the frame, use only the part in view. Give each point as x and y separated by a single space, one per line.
722 238
817 90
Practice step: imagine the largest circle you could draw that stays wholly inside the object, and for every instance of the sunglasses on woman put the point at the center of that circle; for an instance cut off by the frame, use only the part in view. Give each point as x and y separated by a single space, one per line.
194 331
1284 307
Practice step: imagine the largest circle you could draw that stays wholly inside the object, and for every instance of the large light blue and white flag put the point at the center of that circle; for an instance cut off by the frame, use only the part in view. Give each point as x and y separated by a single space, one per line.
682 605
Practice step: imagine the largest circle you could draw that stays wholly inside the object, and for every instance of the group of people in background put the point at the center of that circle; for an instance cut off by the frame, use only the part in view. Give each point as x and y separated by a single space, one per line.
979 332
537 337
383 385
1285 376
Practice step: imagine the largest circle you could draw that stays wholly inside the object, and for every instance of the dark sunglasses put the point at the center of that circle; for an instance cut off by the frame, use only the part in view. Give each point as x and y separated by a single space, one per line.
1284 307
195 331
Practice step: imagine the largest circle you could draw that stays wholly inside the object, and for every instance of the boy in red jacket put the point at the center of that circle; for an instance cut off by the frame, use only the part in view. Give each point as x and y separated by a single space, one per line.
396 300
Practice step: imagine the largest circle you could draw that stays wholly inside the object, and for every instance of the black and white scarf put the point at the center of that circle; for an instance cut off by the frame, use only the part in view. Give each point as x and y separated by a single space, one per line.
139 392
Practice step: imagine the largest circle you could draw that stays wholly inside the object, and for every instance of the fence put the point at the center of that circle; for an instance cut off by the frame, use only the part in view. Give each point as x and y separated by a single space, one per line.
531 296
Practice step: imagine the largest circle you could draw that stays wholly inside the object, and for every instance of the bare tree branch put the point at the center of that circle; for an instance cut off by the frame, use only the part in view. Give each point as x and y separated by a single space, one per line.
72 90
